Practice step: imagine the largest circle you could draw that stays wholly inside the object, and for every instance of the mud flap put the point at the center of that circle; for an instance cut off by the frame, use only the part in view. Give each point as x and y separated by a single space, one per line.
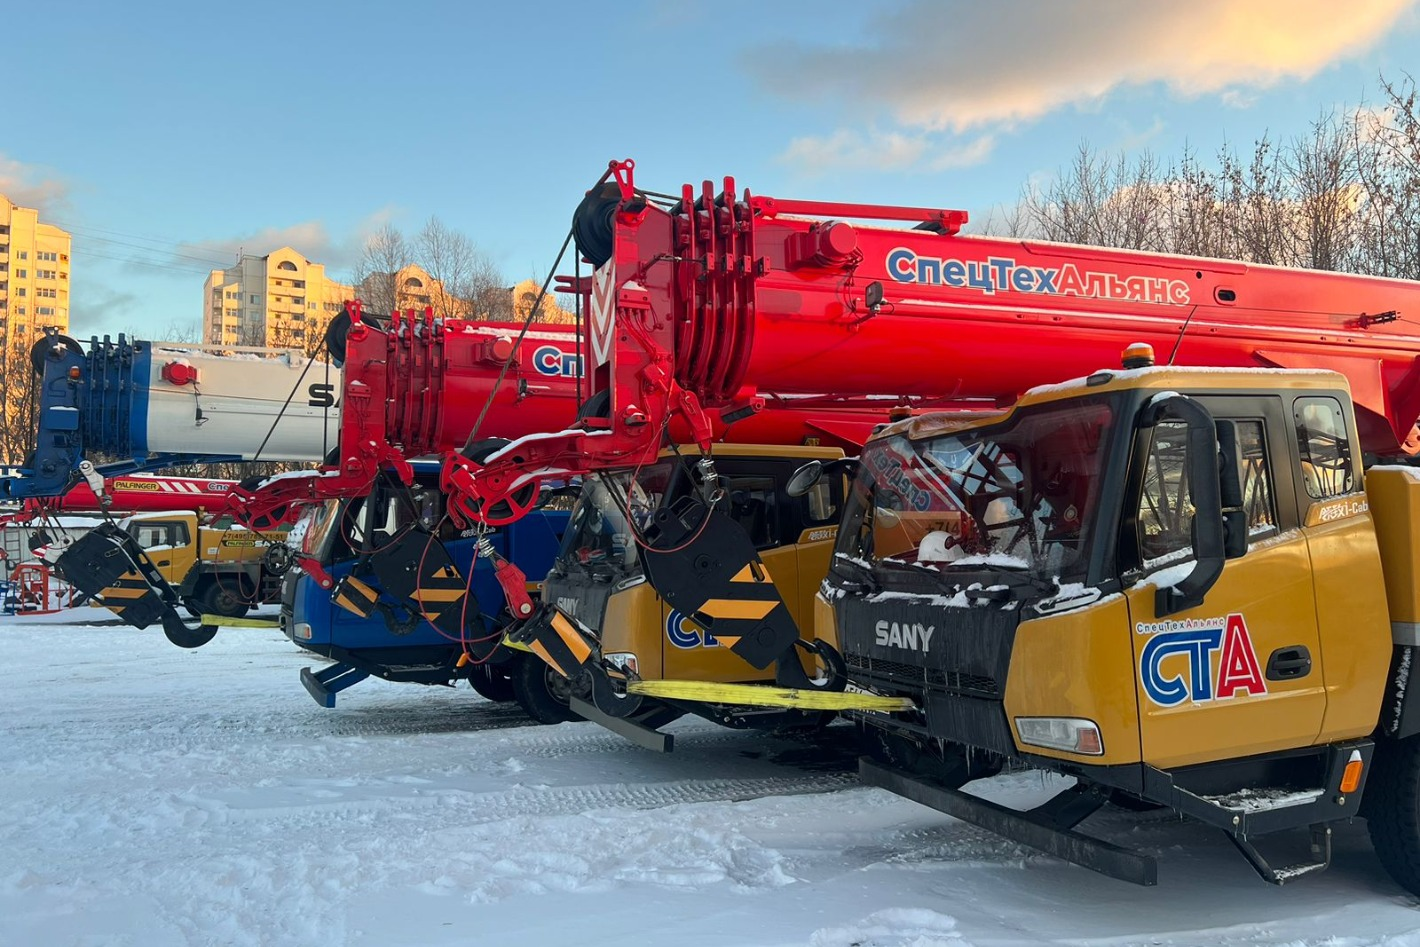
715 577
417 567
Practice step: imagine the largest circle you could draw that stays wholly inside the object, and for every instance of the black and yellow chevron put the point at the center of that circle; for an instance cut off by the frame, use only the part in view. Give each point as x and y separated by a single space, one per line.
355 596
554 637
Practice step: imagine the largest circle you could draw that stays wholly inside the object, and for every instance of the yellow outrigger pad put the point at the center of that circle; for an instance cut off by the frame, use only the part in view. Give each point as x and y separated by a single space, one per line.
239 622
758 695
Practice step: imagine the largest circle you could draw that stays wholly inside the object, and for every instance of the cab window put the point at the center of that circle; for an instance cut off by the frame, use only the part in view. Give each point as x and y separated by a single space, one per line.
1325 447
822 501
1256 478
753 504
1165 514
149 535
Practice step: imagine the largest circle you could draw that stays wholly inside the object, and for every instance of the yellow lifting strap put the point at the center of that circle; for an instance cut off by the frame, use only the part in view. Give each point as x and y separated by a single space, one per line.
226 622
758 695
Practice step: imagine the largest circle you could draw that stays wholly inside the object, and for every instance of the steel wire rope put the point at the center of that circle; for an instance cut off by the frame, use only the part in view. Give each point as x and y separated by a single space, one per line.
512 355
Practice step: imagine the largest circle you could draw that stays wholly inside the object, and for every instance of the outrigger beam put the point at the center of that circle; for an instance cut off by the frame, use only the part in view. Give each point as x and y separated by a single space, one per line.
1049 827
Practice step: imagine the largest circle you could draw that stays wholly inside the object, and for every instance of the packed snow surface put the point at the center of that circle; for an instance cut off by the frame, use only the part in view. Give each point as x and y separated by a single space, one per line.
153 796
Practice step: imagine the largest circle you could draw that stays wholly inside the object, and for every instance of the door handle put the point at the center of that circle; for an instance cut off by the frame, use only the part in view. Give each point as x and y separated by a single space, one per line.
1289 663
165 562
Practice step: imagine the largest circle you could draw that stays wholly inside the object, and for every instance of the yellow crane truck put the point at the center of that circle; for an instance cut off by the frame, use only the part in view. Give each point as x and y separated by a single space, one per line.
216 567
1178 586
600 580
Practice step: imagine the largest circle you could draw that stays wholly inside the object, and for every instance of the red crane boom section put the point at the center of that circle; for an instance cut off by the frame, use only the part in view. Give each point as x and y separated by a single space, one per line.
420 386
702 306
132 495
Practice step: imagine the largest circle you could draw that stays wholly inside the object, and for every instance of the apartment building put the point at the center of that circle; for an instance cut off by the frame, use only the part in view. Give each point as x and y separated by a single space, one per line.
280 299
34 272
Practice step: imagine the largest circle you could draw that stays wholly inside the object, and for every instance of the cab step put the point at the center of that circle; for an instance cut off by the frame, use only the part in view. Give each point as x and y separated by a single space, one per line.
324 684
1318 859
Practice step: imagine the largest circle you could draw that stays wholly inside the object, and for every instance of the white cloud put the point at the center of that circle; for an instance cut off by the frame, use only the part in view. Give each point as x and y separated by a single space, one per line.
32 186
850 150
1238 99
340 253
960 64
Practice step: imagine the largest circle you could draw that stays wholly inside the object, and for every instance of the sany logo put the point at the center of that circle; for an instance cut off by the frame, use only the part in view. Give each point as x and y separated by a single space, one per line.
551 360
685 633
1194 678
903 635
1004 274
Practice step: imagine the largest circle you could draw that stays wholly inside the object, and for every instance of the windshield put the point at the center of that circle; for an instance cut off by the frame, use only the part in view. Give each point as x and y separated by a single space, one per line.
317 531
598 537
1018 496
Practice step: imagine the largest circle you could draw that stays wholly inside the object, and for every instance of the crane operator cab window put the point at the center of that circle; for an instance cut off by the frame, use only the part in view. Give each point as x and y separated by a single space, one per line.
153 535
753 505
1165 515
1325 447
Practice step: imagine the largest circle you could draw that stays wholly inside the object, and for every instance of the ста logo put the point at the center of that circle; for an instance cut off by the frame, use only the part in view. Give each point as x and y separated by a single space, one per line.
685 633
1191 676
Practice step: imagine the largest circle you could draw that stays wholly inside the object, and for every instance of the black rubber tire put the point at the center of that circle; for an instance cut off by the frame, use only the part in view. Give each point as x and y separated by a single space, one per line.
224 596
540 691
490 683
1392 809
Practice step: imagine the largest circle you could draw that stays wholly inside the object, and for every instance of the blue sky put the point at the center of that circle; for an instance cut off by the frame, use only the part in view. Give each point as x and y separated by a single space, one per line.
167 136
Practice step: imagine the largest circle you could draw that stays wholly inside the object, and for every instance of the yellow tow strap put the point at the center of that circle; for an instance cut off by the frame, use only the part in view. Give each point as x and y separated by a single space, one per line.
239 622
760 695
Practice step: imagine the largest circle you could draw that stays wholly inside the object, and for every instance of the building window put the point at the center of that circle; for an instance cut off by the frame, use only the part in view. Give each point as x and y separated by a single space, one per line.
255 299
45 274
24 254
414 282
47 257
22 274
20 291
286 265
44 310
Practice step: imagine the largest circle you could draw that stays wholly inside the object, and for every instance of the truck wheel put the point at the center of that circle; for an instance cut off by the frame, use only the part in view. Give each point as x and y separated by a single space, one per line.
1392 807
224 598
490 683
541 691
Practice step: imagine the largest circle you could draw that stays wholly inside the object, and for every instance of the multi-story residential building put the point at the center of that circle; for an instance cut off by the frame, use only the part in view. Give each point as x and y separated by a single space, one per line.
280 299
34 272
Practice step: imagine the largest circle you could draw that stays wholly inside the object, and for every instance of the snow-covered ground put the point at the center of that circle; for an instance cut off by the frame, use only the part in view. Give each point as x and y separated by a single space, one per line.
151 796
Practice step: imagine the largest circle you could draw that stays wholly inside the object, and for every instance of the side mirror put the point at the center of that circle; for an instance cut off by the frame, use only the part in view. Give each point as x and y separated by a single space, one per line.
804 479
1209 545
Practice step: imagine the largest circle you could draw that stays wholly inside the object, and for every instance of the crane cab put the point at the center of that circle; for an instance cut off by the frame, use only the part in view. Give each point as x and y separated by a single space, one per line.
1166 582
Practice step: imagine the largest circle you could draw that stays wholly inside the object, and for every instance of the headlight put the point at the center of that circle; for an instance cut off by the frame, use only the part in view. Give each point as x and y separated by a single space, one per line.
1071 734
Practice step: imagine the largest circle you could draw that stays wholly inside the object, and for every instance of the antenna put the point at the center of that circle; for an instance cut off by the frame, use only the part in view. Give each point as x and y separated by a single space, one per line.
1182 329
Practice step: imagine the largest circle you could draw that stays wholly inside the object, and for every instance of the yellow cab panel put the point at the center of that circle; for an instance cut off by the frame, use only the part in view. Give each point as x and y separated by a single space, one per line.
1078 664
1280 652
170 540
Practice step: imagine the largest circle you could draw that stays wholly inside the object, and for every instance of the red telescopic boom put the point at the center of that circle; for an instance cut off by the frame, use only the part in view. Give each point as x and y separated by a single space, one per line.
701 306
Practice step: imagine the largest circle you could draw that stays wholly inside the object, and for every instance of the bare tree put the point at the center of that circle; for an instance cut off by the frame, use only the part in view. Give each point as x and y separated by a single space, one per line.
376 276
452 259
